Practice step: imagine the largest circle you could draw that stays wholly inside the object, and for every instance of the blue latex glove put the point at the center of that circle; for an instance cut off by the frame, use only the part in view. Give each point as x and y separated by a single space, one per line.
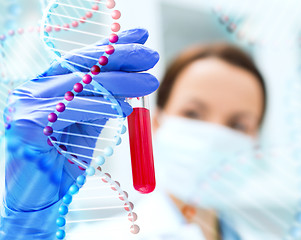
37 177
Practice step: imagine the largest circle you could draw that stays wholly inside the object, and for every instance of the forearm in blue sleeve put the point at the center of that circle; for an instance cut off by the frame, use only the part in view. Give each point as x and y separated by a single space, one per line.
29 225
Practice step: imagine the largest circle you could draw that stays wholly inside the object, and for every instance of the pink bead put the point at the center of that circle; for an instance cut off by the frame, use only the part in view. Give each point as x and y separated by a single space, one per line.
81 168
83 19
74 24
103 60
63 148
78 87
70 160
60 107
95 7
57 28
52 117
109 50
87 79
116 14
95 70
108 175
11 32
8 118
2 37
48 29
49 141
69 96
113 188
21 31
48 130
127 208
135 229
113 38
89 14
11 109
115 27
66 26
110 4
132 217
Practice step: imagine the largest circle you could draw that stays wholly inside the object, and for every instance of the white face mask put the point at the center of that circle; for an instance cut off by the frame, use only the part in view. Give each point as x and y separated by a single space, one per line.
194 159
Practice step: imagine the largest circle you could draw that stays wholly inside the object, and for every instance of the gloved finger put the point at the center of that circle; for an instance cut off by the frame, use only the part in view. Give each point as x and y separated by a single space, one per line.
120 84
34 112
138 36
127 57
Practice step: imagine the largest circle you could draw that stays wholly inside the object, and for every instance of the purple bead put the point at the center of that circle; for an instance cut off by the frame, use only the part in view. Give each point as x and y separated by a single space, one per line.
49 142
48 131
78 87
7 126
52 117
69 96
63 148
87 79
95 70
60 107
110 49
103 60
113 38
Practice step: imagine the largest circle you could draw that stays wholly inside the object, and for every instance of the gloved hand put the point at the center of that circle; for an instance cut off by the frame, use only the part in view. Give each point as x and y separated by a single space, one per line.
37 176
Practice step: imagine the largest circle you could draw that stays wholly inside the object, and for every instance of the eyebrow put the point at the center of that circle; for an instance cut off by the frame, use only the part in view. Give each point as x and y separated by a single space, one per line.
245 115
199 104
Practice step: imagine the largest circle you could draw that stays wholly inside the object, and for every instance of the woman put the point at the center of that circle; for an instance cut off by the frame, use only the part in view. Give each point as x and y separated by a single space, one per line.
210 106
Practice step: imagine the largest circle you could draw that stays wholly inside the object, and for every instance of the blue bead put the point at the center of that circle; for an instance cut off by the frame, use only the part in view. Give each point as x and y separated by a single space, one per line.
50 44
73 189
55 5
58 54
60 222
67 199
123 129
113 107
63 210
81 180
108 151
90 171
117 140
60 234
100 160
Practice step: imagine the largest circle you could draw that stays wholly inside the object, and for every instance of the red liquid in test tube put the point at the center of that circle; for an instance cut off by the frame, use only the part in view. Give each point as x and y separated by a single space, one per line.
141 147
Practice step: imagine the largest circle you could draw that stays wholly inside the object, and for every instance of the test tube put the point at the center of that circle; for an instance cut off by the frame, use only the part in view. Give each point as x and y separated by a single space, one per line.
141 147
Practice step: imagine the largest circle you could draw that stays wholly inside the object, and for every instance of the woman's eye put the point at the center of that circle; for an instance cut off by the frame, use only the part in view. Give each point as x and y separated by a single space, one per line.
239 127
191 114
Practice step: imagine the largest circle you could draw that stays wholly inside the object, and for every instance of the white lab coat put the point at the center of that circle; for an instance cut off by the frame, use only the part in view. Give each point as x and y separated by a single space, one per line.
158 219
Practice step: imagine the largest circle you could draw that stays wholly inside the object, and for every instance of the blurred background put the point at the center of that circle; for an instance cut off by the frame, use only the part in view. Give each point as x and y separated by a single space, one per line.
269 31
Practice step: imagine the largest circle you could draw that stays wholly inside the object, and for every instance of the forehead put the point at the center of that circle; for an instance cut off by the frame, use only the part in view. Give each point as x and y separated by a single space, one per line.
219 83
